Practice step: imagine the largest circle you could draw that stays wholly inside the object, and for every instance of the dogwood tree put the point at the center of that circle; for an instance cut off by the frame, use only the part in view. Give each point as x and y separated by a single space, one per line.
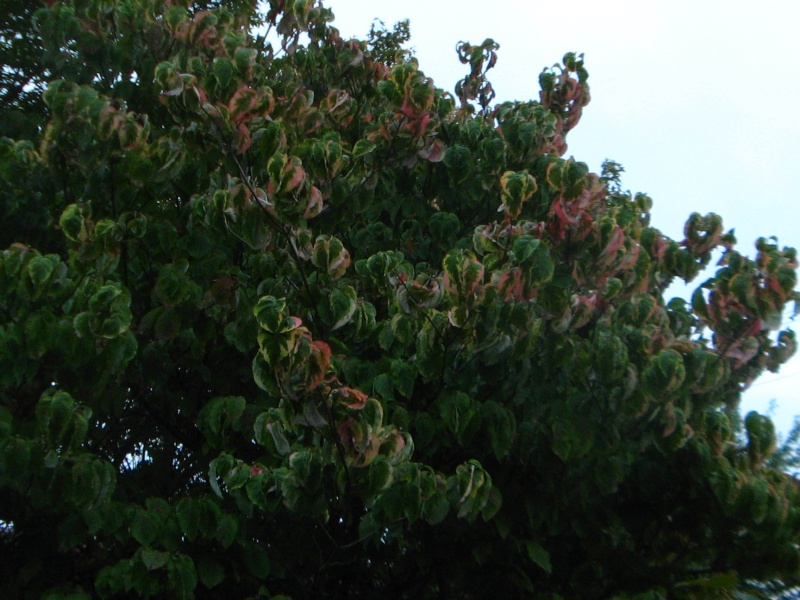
281 318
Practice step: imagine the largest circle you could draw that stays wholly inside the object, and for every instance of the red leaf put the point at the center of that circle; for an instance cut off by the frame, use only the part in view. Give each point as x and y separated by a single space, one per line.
433 151
614 244
314 206
510 284
241 103
352 398
319 361
242 139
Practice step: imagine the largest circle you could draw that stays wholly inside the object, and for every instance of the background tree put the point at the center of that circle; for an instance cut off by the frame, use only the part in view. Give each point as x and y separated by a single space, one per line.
283 318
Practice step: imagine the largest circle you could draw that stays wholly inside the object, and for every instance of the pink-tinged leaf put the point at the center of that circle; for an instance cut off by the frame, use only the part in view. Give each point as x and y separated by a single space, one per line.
171 81
339 264
195 97
368 450
334 100
319 362
419 126
614 244
670 421
296 177
330 255
175 87
583 309
264 104
433 151
359 54
463 273
509 284
660 247
458 316
352 398
743 352
424 292
630 259
703 234
256 470
396 446
242 139
201 30
515 189
109 121
350 434
262 197
567 217
314 206
241 103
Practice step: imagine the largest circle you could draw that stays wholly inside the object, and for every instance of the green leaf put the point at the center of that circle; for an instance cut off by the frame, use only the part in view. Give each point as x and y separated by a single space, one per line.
6 422
15 458
457 157
386 337
145 527
444 225
278 438
182 576
571 440
430 353
403 376
270 422
256 560
110 580
227 529
41 269
72 223
343 303
210 572
404 328
493 504
168 325
222 413
270 312
362 148
39 331
153 559
665 373
718 581
539 268
435 509
380 476
223 71
539 556
459 413
524 247
188 515
500 428
93 482
54 416
382 386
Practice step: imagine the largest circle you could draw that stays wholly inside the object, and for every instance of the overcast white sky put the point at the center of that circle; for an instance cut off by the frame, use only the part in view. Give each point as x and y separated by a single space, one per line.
698 100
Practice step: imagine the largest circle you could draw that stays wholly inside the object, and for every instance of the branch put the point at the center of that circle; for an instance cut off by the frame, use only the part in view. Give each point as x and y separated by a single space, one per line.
272 221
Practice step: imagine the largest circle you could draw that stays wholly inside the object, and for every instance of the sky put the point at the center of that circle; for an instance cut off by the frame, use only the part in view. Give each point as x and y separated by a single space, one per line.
696 99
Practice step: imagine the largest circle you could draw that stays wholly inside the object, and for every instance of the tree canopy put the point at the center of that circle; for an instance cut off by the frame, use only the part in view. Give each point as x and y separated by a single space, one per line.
279 318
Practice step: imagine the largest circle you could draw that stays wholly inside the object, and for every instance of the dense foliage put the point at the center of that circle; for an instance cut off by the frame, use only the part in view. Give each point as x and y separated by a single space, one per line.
280 318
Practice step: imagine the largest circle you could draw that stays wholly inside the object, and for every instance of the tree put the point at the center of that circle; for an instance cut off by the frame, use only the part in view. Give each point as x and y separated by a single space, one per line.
283 319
